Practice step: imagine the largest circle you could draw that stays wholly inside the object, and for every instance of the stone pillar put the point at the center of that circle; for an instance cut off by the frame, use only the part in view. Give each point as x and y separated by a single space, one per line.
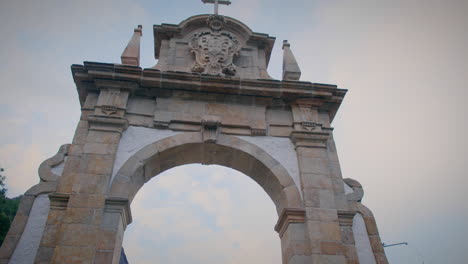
292 230
310 137
115 219
73 231
347 235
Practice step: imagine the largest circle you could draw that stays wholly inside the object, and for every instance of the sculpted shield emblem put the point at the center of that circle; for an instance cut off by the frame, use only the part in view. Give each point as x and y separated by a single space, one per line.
214 51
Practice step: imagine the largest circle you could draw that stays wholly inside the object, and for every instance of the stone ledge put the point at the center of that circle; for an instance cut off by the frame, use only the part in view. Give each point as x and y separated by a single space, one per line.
107 124
346 217
153 82
116 84
310 139
122 206
289 216
59 201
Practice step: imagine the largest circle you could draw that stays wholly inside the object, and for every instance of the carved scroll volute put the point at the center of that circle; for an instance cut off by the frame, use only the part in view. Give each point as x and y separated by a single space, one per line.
46 173
215 49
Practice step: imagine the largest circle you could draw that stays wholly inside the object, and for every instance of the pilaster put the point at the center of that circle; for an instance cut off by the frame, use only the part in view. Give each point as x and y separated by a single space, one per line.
293 233
311 136
75 227
116 217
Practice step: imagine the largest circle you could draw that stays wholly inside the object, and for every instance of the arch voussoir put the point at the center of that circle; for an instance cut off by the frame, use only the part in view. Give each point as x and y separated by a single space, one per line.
229 151
119 187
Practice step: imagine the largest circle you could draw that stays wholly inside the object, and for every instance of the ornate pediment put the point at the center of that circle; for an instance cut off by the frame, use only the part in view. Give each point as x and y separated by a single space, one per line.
214 45
215 49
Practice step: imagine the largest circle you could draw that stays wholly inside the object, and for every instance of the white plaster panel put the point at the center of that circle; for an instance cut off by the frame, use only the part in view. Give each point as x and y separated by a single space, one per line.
282 150
347 188
134 139
361 238
58 169
25 251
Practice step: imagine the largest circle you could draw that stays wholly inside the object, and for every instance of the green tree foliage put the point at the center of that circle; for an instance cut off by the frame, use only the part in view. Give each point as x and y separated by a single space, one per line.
8 208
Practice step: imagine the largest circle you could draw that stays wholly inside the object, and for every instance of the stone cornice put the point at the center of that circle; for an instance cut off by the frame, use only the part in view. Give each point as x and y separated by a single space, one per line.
346 217
59 201
310 139
289 216
107 124
152 82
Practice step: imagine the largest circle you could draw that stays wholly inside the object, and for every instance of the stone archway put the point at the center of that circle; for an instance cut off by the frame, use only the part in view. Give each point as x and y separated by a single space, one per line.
189 148
209 119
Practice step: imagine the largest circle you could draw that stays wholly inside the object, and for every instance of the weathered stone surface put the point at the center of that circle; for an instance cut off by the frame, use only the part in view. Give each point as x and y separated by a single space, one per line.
216 106
131 54
243 53
291 71
46 169
74 255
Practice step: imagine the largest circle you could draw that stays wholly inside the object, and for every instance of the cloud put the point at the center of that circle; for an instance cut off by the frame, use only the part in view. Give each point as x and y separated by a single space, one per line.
193 219
400 131
38 101
22 170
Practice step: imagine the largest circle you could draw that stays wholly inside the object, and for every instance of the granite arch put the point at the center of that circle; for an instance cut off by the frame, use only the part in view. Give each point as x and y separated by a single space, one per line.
189 148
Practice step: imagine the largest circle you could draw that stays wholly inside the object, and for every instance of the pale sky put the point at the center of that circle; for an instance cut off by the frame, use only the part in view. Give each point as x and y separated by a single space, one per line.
401 130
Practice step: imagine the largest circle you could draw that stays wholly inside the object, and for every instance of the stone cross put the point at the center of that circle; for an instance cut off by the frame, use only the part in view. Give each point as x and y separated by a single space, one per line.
217 3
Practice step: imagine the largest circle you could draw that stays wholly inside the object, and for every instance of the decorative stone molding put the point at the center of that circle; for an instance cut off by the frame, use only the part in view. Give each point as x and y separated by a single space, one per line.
172 47
309 126
109 110
161 124
58 201
88 78
358 191
107 124
103 84
216 22
214 50
45 169
121 206
289 216
346 217
42 188
210 128
258 132
310 139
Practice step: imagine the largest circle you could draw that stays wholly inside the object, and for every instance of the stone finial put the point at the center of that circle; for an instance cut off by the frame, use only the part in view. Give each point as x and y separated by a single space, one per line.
291 70
131 54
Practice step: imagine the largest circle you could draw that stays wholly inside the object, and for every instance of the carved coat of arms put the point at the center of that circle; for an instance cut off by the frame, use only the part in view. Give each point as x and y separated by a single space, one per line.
215 49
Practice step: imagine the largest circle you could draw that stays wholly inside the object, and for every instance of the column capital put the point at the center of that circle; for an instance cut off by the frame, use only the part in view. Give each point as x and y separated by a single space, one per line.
310 139
108 124
119 205
289 216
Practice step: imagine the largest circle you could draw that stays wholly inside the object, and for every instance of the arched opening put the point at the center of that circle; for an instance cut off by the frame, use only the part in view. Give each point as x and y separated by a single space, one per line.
202 214
227 151
188 148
